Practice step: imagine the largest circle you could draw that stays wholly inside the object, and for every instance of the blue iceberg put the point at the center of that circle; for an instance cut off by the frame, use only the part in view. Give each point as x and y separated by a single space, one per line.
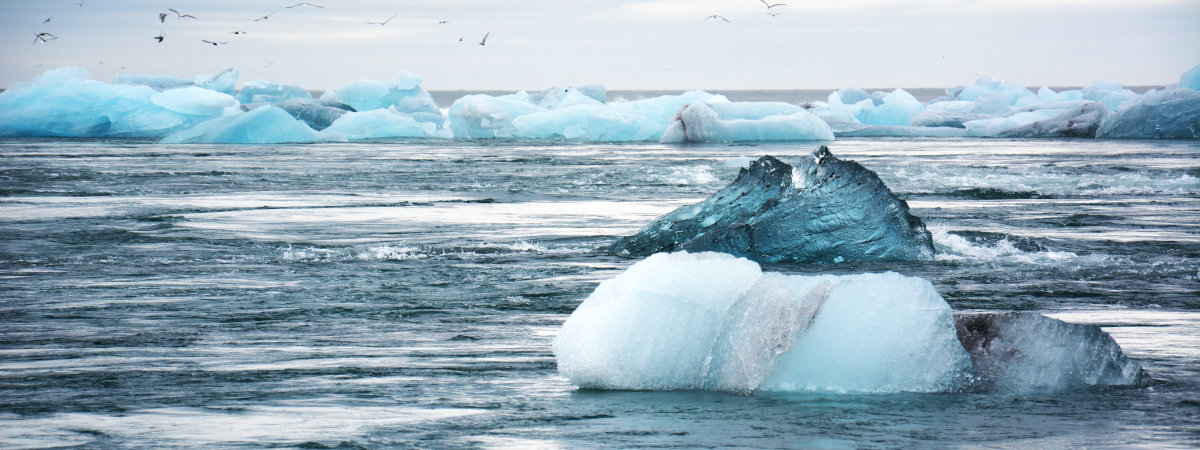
263 125
824 210
700 122
64 102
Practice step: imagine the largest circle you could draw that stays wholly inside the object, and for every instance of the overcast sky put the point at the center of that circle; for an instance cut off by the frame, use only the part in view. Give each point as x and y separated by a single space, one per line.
623 44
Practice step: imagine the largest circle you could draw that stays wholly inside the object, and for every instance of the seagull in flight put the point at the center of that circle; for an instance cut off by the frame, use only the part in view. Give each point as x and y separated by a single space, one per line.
214 43
48 19
439 23
269 64
162 17
268 16
305 4
769 5
389 19
81 3
160 37
44 37
714 16
238 32
484 41
181 16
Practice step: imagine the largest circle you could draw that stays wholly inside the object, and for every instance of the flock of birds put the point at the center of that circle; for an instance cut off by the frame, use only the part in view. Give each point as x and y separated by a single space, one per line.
163 16
45 37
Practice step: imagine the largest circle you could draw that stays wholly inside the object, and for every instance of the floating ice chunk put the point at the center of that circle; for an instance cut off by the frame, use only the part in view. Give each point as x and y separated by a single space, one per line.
555 98
819 211
1191 79
947 113
267 91
699 123
993 127
64 102
753 110
566 122
986 86
379 123
485 116
316 115
263 125
156 82
1167 114
713 321
852 95
224 82
1080 122
896 108
1020 352
404 93
1111 93
195 101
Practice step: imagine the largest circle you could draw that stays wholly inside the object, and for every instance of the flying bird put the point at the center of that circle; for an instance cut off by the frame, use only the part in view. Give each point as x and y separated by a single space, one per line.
439 23
268 16
162 17
44 37
772 14
714 16
48 19
238 32
769 5
484 41
214 43
305 4
160 37
180 15
389 19
81 3
269 64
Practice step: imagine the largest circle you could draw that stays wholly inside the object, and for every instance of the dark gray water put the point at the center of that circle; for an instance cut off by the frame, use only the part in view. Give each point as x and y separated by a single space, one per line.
407 293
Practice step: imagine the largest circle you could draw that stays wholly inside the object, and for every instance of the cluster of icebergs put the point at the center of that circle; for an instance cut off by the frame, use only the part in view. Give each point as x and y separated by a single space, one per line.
207 109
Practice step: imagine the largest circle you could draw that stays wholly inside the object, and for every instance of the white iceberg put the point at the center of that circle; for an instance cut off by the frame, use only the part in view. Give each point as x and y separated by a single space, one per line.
699 122
713 321
262 125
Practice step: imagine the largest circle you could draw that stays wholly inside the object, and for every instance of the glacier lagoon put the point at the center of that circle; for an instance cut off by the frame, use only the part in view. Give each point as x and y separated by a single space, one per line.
409 292
377 270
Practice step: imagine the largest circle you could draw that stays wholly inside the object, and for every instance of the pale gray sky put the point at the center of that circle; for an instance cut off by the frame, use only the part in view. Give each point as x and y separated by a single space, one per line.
623 44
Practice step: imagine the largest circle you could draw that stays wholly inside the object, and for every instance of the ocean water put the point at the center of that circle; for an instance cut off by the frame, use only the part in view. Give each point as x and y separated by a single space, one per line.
407 293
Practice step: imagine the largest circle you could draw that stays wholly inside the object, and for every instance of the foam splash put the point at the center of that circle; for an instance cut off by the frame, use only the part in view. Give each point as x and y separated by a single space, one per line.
952 247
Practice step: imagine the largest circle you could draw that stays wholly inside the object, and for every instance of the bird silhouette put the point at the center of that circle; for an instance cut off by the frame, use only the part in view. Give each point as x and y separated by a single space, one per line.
305 4
213 43
162 17
44 37
160 37
770 5
181 15
389 19
439 23
268 16
238 32
485 36
714 16
48 19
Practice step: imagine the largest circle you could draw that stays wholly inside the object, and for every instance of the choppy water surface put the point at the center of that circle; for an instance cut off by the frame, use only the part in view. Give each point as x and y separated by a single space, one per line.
407 293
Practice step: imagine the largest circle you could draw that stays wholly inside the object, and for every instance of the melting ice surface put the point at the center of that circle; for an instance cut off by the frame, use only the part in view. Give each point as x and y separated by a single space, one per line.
64 102
713 321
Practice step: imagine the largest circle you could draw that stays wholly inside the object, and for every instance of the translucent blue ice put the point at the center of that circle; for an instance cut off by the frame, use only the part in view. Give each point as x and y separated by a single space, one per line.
64 102
263 125
1168 114
1191 79
377 124
267 91
823 210
404 94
